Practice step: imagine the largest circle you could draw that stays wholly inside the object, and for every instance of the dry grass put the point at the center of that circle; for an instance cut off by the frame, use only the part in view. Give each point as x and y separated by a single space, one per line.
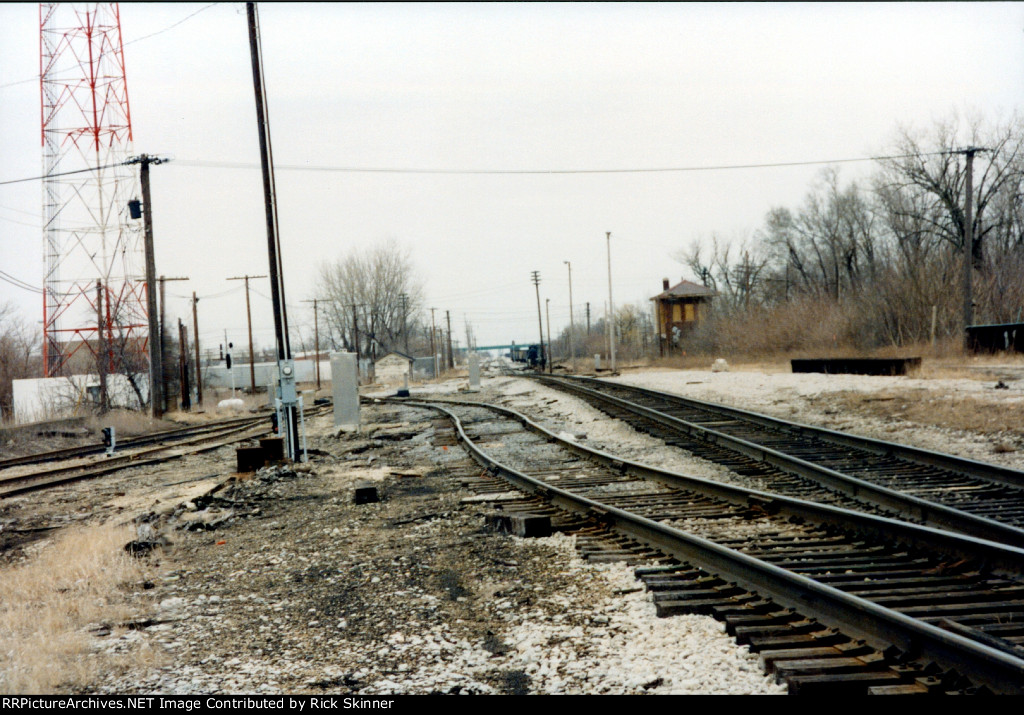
947 411
211 397
126 423
48 603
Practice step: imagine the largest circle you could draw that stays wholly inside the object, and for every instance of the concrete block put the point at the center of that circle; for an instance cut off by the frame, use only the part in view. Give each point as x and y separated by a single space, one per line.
474 372
497 521
530 525
273 448
250 459
366 493
524 525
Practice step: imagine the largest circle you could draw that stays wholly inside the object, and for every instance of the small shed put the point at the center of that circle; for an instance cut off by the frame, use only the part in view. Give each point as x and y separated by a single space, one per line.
678 310
393 368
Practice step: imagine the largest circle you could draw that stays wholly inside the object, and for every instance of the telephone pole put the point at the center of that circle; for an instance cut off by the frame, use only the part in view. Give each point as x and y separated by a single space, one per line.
316 338
166 368
155 366
969 152
572 322
535 277
433 347
195 340
101 346
405 320
355 331
451 357
547 309
285 363
248 316
186 398
611 305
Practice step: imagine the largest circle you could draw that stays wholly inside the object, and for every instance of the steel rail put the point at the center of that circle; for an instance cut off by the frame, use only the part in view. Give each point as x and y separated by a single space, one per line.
32 481
877 625
982 470
129 443
913 507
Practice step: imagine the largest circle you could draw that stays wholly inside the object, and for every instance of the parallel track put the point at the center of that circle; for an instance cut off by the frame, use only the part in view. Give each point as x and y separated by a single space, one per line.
161 437
800 460
82 463
917 609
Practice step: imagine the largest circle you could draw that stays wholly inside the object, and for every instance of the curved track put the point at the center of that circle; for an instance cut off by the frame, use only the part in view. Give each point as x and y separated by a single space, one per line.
917 609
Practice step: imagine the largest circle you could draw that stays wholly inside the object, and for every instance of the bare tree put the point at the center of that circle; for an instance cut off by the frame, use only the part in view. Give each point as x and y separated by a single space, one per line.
18 345
363 295
930 178
738 281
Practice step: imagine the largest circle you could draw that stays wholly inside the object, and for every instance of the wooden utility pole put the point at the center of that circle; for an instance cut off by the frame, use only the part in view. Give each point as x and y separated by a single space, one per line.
355 329
186 398
451 357
535 277
572 323
248 317
611 305
547 309
433 347
155 367
405 320
969 241
277 293
101 346
165 371
316 338
588 318
195 340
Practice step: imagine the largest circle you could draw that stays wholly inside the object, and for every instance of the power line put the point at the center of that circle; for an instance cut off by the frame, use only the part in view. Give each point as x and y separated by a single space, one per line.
130 42
171 27
63 173
647 170
18 283
513 172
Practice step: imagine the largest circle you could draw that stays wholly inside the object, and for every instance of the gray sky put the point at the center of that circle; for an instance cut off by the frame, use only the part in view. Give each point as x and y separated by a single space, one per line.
499 87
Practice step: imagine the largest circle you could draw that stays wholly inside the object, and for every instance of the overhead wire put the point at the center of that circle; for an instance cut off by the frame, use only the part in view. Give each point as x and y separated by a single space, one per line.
471 172
640 170
130 42
18 283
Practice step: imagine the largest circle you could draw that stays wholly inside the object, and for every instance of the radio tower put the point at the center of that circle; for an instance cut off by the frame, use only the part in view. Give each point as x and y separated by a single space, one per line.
94 291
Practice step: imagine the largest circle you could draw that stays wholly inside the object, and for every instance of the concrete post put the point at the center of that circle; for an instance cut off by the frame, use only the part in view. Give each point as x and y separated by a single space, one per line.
474 371
345 386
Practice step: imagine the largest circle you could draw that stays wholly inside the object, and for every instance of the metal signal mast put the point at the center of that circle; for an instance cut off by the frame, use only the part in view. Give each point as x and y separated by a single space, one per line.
87 234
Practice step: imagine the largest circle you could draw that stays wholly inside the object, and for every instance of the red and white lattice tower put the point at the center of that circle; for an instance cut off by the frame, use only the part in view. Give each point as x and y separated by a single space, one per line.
87 232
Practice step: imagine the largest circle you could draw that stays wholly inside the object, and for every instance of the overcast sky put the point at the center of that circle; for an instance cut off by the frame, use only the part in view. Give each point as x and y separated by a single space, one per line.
498 87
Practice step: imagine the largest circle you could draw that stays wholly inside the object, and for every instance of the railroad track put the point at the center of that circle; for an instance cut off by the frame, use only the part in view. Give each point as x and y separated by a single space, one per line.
83 462
834 600
818 464
161 437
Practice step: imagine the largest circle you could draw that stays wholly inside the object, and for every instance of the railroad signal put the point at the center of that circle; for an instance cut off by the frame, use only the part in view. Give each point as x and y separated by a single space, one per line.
109 439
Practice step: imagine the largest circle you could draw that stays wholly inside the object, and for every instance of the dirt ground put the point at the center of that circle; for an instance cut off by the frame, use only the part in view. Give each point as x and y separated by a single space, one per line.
295 588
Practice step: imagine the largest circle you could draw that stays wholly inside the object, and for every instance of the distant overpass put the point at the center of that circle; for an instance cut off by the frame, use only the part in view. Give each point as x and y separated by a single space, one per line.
502 347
